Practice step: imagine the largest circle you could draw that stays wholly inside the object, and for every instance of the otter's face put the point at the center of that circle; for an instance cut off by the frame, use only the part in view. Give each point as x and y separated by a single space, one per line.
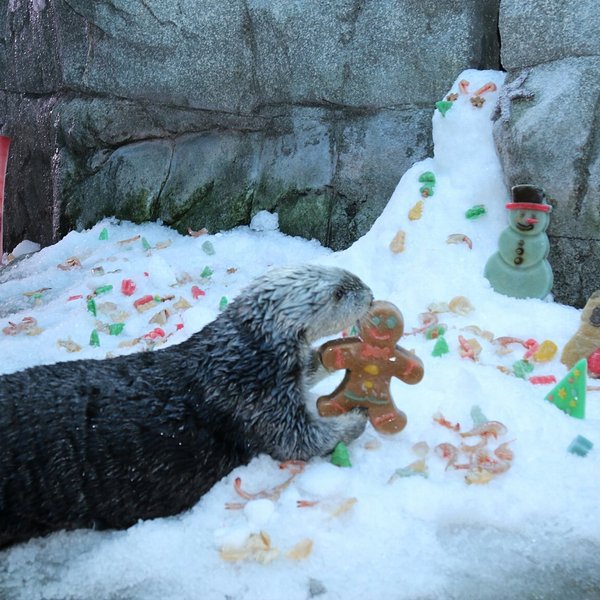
311 301
529 222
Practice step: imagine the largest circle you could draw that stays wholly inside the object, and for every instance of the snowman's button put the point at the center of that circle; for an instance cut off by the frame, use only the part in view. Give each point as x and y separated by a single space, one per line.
521 242
520 251
518 260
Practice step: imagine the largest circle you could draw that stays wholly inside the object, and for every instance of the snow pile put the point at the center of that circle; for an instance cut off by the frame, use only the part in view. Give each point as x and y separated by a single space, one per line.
327 532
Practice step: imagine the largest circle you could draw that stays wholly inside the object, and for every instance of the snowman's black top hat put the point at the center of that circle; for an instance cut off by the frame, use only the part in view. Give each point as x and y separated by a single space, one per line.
528 197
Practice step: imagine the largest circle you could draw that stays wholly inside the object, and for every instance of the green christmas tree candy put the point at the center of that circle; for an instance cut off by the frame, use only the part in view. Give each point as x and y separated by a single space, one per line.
569 393
444 106
94 339
341 456
441 347
103 234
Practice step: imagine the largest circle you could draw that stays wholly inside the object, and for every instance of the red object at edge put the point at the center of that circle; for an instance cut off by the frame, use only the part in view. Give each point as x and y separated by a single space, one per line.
4 146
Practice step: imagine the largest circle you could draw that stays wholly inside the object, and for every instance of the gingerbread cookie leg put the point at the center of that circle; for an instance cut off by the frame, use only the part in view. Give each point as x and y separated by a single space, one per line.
387 419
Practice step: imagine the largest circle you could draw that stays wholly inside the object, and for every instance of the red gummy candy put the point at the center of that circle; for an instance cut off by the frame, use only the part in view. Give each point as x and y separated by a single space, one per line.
155 333
74 297
593 362
128 287
143 300
179 326
541 379
197 292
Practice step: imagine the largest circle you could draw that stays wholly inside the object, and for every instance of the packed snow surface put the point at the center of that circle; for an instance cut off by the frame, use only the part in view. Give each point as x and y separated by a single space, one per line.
533 531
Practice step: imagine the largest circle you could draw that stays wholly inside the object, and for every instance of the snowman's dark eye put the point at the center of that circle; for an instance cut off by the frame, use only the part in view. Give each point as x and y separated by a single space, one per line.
522 215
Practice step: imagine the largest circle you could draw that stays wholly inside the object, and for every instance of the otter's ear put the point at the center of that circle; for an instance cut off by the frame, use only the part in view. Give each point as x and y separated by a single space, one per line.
302 334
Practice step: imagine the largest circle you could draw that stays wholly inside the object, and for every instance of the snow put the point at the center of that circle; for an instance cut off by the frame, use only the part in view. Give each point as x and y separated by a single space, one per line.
531 532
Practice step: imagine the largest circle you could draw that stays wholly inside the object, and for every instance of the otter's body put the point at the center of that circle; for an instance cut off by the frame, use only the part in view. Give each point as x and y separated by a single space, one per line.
105 443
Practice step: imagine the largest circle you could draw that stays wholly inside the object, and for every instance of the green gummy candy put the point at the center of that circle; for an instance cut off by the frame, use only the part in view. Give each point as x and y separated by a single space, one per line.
475 211
91 306
477 415
522 368
341 456
428 176
444 106
435 332
223 303
103 234
103 289
441 347
146 245
208 248
426 188
94 339
206 272
580 446
116 328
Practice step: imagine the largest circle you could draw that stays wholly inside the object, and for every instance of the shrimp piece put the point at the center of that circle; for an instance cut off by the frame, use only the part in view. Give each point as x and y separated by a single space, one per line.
486 430
503 452
440 420
449 452
479 476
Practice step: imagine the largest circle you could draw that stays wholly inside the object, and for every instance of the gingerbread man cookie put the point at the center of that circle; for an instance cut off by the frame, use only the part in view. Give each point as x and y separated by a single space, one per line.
371 360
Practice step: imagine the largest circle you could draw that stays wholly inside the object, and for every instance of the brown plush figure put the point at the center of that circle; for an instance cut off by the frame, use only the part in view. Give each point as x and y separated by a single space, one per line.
371 360
587 337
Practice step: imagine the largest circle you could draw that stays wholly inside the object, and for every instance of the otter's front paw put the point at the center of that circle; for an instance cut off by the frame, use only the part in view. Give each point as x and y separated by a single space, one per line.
350 425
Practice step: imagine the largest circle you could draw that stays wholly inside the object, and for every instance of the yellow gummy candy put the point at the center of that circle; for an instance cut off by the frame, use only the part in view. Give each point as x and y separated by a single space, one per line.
546 351
416 212
397 244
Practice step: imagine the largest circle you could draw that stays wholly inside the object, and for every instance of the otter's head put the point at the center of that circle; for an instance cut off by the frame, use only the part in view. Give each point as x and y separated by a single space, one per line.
308 302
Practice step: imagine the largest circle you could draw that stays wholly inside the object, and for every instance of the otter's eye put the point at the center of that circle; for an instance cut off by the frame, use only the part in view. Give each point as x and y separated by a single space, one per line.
338 294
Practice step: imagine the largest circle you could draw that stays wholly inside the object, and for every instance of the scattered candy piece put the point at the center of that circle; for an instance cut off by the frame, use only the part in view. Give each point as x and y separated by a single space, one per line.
69 345
441 347
443 106
438 417
206 272
580 446
70 263
103 234
522 368
161 317
546 351
475 211
198 233
301 550
146 244
426 190
197 292
208 248
106 307
156 333
231 270
459 238
144 303
128 287
94 339
435 332
341 456
91 306
416 212
28 325
419 467
397 243
182 303
116 328
179 326
463 86
427 176
103 289
469 348
130 240
98 271
490 86
452 97
532 347
542 379
223 303
460 305
477 415
77 297
593 363
477 101
257 547
163 245
569 394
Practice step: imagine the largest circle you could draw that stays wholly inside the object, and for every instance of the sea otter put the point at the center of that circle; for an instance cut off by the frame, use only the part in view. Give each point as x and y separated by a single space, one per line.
105 443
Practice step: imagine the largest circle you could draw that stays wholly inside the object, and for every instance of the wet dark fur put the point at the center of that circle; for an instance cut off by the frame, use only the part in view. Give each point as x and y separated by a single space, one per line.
106 443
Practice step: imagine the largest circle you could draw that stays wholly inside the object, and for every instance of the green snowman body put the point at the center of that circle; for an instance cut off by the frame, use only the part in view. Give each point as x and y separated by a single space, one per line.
520 267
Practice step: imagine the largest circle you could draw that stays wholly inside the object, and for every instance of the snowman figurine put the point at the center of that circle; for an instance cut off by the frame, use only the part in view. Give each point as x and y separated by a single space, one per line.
520 267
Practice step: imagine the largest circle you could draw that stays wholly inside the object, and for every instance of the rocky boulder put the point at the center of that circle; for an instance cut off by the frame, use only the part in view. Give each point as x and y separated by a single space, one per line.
548 130
202 113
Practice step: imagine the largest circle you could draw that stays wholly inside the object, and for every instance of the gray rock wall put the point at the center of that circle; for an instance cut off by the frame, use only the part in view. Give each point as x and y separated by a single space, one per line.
203 112
553 138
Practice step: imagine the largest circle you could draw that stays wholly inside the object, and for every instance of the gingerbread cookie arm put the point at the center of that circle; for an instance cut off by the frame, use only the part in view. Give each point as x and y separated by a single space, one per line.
337 354
409 367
